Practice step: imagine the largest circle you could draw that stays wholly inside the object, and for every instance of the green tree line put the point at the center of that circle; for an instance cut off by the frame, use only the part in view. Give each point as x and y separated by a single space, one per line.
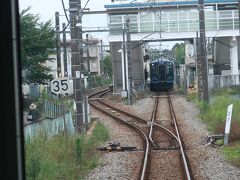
37 43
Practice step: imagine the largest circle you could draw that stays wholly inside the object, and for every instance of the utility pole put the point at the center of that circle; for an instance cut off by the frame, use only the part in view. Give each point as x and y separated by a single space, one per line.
124 59
82 68
239 17
129 58
87 49
101 57
199 74
76 62
101 50
64 50
202 56
79 22
238 39
88 60
58 47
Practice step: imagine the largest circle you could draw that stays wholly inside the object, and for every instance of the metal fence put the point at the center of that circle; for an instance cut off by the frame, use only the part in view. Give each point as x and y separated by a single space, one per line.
49 127
52 109
174 21
216 82
54 118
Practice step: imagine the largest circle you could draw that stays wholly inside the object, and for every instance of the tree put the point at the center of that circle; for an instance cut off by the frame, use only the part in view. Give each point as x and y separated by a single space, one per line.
179 54
156 54
168 54
107 65
37 42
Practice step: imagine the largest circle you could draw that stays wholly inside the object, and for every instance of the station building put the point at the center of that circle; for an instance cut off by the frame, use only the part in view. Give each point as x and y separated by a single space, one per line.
166 20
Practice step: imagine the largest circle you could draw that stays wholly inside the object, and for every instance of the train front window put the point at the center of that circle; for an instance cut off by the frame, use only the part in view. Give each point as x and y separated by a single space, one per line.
162 72
169 71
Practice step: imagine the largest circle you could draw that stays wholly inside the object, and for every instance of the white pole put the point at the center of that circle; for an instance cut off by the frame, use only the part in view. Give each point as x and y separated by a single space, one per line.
123 70
234 59
228 124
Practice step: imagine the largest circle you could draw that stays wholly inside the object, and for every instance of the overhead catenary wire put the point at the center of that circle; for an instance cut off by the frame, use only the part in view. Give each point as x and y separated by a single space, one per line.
143 39
65 13
66 16
81 12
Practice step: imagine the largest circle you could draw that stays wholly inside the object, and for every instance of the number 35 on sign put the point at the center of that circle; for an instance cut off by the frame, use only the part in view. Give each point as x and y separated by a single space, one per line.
61 86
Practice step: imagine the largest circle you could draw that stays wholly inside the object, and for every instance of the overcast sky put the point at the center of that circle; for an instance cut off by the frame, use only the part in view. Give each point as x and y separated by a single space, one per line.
47 8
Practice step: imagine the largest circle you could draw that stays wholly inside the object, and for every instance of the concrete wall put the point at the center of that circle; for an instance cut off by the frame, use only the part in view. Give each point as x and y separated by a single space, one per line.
137 63
190 53
222 55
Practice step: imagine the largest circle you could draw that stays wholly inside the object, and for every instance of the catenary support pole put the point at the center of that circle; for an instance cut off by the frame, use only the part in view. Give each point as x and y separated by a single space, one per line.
203 56
198 67
76 62
88 57
129 58
124 60
58 47
101 69
65 50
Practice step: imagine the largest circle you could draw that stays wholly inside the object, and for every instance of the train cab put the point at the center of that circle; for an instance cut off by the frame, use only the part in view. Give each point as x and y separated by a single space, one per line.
161 75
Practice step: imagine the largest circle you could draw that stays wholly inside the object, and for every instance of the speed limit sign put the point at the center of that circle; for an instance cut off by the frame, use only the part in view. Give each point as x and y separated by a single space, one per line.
61 86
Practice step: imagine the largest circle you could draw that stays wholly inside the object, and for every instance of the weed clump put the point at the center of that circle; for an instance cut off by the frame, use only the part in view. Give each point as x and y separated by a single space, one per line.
63 157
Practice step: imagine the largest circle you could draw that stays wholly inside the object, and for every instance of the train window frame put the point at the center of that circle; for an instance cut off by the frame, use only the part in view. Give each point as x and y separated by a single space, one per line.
12 157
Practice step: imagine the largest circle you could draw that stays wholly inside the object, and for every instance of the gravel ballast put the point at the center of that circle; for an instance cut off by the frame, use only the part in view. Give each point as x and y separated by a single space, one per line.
207 162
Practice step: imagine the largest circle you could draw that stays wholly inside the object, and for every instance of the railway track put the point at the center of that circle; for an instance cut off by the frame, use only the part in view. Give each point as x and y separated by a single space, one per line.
160 138
167 144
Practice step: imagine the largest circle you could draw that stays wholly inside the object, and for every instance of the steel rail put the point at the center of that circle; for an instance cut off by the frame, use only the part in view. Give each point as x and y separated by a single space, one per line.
186 169
123 112
153 118
133 126
170 133
141 132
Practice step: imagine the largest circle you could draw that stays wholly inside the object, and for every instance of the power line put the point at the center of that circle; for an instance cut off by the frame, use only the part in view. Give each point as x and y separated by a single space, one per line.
65 13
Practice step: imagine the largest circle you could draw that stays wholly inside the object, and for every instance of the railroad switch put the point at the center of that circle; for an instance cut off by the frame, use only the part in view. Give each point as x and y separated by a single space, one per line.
115 146
166 148
213 138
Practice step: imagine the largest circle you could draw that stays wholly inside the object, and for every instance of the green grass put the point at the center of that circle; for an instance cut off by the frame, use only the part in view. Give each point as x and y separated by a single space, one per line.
232 90
63 157
232 154
214 115
192 97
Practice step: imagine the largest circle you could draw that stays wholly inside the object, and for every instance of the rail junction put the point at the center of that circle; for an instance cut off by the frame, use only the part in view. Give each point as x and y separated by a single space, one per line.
164 156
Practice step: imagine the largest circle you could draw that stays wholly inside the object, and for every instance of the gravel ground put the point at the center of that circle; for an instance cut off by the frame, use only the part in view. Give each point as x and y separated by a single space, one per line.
118 165
207 162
